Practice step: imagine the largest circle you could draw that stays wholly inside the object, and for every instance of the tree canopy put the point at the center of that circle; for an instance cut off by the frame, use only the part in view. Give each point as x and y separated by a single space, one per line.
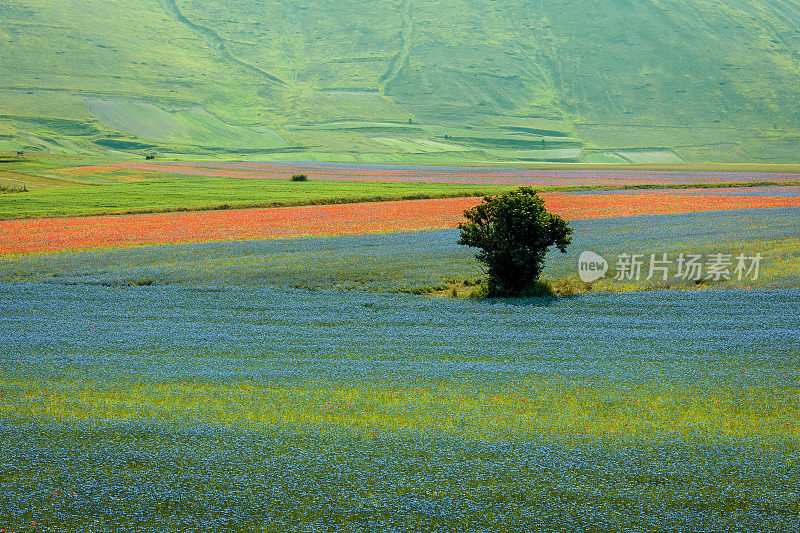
514 232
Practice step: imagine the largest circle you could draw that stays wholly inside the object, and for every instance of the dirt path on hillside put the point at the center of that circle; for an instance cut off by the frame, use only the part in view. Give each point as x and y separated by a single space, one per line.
216 42
401 58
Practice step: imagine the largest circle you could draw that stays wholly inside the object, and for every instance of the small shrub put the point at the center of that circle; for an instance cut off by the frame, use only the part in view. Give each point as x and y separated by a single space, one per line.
8 189
299 177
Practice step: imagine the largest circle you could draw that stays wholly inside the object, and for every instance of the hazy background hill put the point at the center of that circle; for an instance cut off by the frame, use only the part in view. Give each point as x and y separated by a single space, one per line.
405 80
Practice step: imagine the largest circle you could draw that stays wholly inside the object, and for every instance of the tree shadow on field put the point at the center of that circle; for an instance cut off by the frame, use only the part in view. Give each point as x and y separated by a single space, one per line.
540 294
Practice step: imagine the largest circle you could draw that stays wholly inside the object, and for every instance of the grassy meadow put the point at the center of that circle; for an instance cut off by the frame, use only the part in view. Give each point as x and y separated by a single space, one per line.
46 185
176 193
478 81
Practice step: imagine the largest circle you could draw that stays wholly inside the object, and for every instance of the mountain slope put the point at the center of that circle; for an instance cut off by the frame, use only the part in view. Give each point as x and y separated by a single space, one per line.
488 80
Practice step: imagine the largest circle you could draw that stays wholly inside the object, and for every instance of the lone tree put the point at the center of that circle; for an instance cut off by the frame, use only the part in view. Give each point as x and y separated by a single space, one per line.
514 232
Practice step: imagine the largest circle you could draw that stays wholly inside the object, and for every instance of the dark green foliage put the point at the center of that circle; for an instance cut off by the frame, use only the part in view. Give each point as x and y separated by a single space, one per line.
514 232
299 177
9 189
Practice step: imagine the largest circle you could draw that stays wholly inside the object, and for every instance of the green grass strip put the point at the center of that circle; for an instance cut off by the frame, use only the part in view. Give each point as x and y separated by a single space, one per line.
212 193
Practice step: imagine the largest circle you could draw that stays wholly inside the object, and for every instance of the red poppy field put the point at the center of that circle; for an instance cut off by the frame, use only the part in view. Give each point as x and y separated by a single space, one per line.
55 234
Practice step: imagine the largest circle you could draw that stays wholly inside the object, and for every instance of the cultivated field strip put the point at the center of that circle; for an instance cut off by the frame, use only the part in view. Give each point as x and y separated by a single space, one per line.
466 175
53 234
155 408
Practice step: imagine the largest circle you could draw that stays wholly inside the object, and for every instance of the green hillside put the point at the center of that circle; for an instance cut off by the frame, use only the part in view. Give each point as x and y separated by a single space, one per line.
405 80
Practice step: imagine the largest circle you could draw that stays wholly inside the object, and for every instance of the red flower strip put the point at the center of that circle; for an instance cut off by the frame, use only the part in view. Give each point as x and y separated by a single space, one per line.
54 234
